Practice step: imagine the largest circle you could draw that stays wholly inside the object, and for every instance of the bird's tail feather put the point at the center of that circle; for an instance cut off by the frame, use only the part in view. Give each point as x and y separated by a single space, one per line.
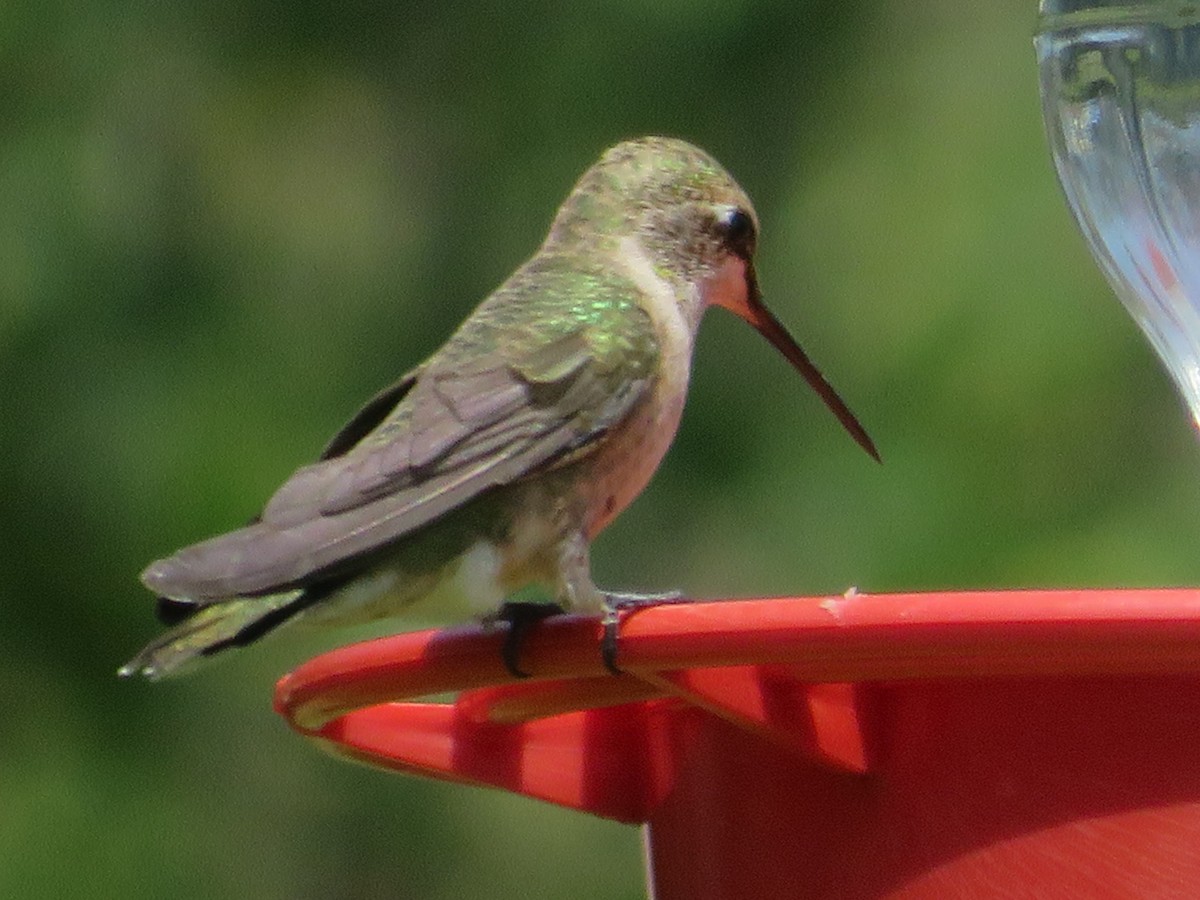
204 630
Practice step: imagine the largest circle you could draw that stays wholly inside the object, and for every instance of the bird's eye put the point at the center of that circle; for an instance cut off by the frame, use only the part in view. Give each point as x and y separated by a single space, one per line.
737 231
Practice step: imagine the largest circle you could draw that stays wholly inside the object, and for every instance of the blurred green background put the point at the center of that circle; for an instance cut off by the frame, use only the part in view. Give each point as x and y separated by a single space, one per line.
223 227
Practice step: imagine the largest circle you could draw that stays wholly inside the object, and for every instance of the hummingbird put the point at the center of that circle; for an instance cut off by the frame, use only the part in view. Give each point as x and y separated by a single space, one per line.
491 467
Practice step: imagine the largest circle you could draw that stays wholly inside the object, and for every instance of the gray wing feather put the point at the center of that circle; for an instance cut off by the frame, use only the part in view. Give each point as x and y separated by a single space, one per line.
454 434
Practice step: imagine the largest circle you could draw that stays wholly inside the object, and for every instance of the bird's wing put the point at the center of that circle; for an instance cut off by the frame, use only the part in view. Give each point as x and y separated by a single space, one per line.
369 417
502 400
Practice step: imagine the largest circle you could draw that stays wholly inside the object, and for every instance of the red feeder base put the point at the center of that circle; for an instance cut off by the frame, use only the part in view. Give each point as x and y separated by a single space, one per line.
1017 744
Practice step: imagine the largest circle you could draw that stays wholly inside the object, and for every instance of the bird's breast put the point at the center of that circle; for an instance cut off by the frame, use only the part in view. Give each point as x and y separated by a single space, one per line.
632 451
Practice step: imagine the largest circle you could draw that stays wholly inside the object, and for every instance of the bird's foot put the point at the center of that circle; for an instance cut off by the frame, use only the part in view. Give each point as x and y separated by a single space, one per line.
614 605
521 617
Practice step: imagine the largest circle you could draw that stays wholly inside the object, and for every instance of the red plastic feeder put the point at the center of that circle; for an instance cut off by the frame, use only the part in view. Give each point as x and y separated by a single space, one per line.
1016 744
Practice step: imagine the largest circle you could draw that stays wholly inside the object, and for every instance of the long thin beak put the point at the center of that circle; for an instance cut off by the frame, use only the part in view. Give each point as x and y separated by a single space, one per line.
764 321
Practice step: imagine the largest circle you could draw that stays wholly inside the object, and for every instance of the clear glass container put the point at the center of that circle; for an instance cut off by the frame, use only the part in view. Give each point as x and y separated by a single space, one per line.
1120 86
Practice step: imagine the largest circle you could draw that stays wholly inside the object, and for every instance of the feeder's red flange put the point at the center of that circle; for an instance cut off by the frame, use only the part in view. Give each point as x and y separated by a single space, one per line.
1024 743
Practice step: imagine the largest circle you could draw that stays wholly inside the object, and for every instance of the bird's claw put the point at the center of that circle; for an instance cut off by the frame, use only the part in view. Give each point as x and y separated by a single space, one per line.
614 605
521 617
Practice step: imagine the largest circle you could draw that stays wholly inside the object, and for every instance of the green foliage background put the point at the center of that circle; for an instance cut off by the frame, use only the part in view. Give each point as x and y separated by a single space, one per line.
223 225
